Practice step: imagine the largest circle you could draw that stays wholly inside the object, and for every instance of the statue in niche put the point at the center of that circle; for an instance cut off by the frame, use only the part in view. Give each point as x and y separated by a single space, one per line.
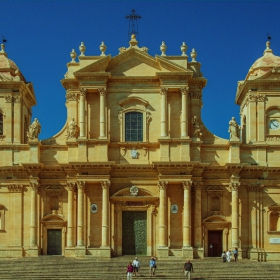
34 130
134 154
233 129
197 127
72 129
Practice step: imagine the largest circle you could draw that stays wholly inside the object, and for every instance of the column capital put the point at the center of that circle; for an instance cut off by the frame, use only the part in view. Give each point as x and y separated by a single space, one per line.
102 91
187 185
197 185
234 186
71 96
163 90
162 185
255 187
34 186
15 188
81 185
184 90
83 92
105 185
70 186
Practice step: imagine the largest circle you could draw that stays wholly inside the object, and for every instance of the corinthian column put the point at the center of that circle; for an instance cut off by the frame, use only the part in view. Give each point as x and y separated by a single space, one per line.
163 92
105 213
70 188
80 222
83 93
235 213
102 93
162 214
197 215
187 214
33 221
184 92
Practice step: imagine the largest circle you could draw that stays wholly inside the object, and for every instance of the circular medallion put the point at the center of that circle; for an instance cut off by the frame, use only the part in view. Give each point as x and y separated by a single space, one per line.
174 209
93 208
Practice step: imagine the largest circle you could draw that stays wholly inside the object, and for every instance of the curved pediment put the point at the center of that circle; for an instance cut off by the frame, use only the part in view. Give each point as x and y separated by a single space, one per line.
53 219
126 192
132 100
215 219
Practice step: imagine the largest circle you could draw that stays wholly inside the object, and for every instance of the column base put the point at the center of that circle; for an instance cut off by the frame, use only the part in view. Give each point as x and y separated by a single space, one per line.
257 254
80 252
70 251
105 252
187 252
163 252
32 252
198 253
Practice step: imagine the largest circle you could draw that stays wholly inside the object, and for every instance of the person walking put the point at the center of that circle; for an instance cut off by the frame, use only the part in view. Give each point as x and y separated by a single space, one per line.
235 254
228 253
153 266
188 269
136 266
129 271
224 256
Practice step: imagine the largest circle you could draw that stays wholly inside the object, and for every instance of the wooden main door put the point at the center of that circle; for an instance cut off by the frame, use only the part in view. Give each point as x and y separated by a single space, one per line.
215 241
134 233
54 241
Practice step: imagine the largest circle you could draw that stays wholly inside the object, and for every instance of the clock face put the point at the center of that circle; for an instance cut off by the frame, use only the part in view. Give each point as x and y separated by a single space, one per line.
274 125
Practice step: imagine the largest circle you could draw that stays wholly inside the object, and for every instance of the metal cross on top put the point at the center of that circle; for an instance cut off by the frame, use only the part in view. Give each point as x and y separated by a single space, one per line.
133 26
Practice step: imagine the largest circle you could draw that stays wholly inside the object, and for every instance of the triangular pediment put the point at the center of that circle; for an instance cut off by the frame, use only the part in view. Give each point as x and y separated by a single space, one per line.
98 66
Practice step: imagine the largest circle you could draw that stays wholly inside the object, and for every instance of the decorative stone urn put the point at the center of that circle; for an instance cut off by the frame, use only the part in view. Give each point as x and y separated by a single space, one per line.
102 48
163 48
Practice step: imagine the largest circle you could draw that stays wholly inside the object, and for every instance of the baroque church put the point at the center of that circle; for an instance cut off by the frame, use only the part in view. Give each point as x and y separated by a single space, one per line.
134 171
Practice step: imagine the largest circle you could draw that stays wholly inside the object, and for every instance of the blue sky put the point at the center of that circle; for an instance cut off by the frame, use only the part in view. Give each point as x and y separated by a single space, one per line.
227 35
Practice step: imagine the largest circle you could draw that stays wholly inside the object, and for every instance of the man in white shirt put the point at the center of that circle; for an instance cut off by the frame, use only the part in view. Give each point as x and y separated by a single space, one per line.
136 266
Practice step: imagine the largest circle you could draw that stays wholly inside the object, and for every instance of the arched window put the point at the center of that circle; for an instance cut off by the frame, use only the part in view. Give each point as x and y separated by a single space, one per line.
1 124
134 127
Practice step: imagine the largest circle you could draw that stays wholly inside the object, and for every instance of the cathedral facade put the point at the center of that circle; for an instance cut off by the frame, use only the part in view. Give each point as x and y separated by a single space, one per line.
134 171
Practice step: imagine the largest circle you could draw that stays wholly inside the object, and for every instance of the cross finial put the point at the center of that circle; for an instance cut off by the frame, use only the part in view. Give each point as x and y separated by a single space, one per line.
133 26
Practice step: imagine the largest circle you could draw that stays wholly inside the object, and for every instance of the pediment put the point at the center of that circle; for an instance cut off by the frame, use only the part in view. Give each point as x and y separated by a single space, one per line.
126 192
53 218
215 219
97 66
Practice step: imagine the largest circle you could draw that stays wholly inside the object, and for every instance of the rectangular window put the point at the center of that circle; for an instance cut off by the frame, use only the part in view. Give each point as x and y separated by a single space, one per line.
134 127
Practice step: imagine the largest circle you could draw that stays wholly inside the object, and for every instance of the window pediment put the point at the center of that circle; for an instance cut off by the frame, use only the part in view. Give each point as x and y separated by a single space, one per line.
133 101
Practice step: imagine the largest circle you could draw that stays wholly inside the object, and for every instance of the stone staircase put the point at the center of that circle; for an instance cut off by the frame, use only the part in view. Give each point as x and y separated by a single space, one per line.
52 267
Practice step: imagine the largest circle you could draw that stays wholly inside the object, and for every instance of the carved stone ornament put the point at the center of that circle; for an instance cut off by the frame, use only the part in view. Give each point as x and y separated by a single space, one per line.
15 188
133 45
120 117
102 91
71 96
123 151
174 208
134 154
197 127
187 185
234 130
8 98
234 186
163 90
162 185
81 185
93 208
133 191
195 95
72 130
184 90
83 92
34 130
105 184
148 117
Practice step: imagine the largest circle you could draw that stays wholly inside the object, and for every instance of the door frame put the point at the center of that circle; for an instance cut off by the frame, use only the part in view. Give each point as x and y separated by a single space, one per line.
216 223
49 242
220 236
53 221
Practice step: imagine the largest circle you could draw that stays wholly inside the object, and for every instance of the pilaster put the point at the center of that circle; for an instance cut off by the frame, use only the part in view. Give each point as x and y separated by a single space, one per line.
163 250
34 150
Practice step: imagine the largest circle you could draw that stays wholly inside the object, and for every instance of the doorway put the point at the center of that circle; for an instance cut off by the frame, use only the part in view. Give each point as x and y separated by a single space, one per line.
134 233
215 243
54 242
